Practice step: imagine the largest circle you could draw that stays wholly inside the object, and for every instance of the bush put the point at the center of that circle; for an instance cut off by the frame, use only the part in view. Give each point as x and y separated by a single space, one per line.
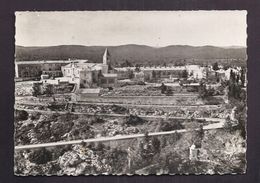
59 151
59 128
163 88
213 101
95 120
148 147
100 146
117 159
20 115
35 116
43 131
169 126
81 130
203 93
169 92
36 89
134 120
215 66
156 144
118 109
53 106
40 156
48 89
21 134
140 83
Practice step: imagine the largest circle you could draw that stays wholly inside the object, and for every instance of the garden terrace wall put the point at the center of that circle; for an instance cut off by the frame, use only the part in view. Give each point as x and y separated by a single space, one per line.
145 100
158 110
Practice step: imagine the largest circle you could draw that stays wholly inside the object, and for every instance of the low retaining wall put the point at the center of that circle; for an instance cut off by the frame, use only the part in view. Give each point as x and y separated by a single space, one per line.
146 100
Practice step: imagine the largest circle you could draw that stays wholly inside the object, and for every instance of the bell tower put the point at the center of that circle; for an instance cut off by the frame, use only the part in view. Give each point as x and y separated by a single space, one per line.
106 57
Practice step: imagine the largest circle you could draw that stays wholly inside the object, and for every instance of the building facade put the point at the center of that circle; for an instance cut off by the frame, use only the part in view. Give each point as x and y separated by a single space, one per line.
34 69
90 75
160 72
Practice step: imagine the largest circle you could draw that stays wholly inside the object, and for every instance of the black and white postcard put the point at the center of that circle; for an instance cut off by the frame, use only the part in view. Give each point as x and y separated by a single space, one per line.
130 92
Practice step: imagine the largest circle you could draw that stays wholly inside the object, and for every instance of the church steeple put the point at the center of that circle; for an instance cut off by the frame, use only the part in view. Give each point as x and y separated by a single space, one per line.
106 57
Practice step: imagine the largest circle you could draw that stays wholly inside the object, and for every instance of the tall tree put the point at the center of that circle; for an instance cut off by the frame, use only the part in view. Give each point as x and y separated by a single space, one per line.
36 89
130 74
48 89
242 77
185 74
215 66
154 74
203 92
163 88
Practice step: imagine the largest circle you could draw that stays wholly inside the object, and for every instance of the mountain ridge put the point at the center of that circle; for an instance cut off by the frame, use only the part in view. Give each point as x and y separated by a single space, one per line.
130 52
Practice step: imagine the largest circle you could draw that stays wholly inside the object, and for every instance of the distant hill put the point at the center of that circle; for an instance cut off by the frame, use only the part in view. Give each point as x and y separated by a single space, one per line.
132 53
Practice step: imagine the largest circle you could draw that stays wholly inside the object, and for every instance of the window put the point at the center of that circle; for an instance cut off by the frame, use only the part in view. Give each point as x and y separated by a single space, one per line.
103 80
111 80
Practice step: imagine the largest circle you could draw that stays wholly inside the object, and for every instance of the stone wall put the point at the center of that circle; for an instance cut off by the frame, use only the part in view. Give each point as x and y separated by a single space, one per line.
145 100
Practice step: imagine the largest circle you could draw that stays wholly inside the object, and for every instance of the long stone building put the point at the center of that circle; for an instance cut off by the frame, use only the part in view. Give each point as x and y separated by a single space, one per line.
34 69
195 71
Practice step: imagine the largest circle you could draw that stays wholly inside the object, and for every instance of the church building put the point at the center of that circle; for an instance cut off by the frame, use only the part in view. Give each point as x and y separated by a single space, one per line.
90 75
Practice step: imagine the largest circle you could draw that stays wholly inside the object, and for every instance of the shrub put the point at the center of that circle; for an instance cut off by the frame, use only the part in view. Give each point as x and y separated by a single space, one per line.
140 83
36 89
96 120
20 115
54 106
134 120
169 92
59 128
117 159
81 130
169 126
215 66
21 134
203 93
156 144
59 151
184 74
118 109
35 116
213 101
43 131
100 146
48 89
40 156
163 88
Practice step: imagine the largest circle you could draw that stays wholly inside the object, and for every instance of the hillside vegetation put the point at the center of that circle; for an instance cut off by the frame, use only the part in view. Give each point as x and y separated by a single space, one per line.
133 53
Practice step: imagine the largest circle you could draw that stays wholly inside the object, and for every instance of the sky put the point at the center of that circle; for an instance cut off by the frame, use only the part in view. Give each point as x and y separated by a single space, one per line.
112 28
